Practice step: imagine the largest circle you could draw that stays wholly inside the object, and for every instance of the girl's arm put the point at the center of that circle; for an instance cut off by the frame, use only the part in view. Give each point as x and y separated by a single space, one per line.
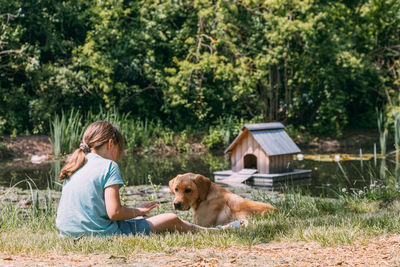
117 212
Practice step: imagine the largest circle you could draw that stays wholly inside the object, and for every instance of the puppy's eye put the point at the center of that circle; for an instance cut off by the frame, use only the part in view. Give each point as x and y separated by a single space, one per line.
188 190
176 189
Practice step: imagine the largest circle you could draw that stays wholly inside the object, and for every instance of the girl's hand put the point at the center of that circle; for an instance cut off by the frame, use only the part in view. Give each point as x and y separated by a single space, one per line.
117 212
145 208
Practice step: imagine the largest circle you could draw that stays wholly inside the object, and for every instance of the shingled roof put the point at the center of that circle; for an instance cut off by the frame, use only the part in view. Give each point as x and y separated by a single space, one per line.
270 136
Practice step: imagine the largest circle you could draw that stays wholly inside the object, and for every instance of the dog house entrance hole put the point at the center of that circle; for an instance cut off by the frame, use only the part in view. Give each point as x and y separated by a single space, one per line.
250 161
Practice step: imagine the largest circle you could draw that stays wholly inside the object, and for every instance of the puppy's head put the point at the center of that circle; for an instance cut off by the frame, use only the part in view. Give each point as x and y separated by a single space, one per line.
188 189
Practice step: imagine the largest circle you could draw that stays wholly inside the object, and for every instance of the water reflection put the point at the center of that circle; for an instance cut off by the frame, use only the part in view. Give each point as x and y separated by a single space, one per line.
134 170
137 170
13 172
327 177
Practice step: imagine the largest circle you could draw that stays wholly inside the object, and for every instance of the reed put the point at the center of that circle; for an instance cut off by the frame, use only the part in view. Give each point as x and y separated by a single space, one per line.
396 117
382 181
139 133
66 130
73 130
380 184
57 135
383 132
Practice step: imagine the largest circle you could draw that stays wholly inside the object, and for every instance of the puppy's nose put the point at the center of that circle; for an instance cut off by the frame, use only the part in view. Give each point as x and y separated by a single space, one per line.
177 205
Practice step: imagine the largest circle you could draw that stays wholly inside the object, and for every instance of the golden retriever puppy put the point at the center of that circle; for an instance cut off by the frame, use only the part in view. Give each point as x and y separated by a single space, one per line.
212 204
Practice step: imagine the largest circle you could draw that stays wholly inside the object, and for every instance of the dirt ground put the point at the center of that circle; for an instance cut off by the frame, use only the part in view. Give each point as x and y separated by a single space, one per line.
383 251
26 146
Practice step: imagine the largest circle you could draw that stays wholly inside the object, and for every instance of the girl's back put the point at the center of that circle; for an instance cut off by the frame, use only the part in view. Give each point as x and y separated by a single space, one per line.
82 207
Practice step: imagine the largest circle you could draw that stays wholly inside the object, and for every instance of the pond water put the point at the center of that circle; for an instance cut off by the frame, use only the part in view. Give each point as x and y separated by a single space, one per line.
327 177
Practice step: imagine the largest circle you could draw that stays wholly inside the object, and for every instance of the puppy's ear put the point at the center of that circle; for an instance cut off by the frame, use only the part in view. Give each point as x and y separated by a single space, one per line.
171 185
203 185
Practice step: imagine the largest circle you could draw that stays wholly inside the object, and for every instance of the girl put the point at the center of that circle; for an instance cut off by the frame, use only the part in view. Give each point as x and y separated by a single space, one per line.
90 202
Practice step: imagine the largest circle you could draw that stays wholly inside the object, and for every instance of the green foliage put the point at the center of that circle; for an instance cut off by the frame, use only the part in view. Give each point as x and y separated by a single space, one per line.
316 65
224 131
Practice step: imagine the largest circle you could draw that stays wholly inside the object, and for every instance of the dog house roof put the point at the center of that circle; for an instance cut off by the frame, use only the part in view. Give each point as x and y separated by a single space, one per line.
270 136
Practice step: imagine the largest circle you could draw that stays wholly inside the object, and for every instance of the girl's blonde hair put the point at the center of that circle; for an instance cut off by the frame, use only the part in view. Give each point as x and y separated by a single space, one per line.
97 134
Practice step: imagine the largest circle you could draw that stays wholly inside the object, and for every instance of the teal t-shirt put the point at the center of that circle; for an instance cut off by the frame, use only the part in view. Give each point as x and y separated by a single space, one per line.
82 209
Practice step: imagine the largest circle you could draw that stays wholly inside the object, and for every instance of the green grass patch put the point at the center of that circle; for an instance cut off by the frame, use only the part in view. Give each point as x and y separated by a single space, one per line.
329 222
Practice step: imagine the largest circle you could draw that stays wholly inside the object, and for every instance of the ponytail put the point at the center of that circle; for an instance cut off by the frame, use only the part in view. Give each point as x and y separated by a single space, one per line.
77 159
97 134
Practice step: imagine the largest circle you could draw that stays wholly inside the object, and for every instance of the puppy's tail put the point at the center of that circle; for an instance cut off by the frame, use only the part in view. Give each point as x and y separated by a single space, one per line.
271 208
259 207
268 208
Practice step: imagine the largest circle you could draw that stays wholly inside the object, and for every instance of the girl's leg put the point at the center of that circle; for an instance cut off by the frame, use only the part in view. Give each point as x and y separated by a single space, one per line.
171 222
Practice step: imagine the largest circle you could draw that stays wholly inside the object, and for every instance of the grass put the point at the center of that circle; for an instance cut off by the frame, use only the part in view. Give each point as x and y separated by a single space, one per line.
344 220
67 129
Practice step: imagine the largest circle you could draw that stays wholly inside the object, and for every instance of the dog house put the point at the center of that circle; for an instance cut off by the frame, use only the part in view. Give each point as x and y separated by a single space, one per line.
265 147
262 152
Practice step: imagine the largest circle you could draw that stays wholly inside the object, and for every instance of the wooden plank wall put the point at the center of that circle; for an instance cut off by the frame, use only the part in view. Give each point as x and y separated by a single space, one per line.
279 164
263 162
248 145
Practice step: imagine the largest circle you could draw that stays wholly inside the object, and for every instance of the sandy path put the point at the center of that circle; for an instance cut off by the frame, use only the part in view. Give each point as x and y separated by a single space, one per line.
384 251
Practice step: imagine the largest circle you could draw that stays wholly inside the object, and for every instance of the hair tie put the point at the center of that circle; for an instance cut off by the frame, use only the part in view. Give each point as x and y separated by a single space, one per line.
85 148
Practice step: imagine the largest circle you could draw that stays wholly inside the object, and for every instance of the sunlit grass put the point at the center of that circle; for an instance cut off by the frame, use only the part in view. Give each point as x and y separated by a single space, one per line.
329 222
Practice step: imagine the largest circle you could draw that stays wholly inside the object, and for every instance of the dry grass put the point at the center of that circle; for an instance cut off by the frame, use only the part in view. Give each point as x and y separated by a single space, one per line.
383 250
